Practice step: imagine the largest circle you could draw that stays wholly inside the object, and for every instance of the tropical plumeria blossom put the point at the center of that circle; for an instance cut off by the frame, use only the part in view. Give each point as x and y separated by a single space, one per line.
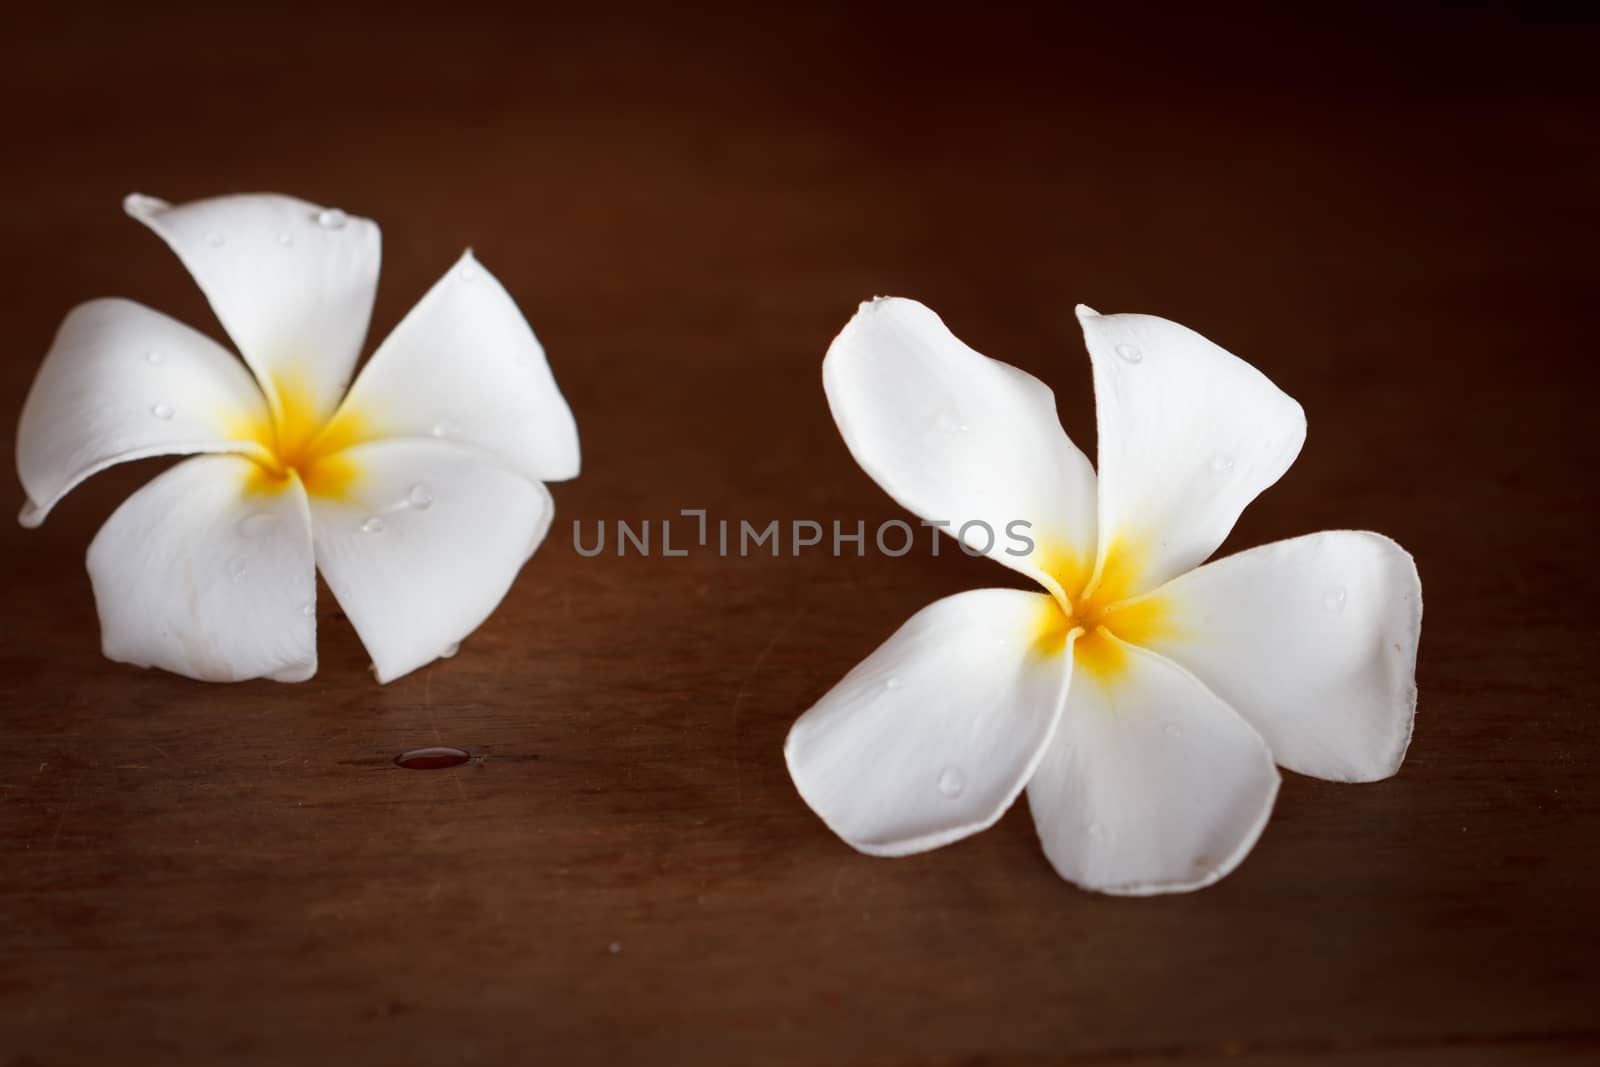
418 494
1142 699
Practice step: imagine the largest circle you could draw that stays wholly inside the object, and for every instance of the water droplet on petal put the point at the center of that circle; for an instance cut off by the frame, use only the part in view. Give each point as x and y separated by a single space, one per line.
285 238
1334 599
215 239
450 650
1172 730
1130 353
443 429
952 780
155 358
420 496
332 219
467 272
894 682
161 411
1096 830
308 609
1221 464
258 524
236 567
949 423
372 525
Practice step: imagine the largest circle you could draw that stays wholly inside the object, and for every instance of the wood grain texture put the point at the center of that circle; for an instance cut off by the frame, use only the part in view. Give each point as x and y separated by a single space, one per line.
1394 219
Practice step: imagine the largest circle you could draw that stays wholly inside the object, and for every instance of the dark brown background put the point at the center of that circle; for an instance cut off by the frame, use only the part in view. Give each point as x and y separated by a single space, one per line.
1392 217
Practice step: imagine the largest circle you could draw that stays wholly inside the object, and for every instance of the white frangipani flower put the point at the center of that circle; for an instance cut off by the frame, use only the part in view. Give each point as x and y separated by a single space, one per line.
418 495
1143 699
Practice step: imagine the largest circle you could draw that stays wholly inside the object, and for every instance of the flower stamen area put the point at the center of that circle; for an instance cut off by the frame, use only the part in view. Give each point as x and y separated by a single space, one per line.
1105 614
299 441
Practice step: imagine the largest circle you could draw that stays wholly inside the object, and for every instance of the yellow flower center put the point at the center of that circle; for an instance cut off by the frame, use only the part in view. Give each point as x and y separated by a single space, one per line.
1105 612
299 442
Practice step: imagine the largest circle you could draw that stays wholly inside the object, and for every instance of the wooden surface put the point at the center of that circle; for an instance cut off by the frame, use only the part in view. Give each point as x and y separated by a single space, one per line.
1393 219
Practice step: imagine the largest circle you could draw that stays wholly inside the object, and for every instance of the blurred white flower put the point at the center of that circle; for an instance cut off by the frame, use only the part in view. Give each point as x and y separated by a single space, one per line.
418 495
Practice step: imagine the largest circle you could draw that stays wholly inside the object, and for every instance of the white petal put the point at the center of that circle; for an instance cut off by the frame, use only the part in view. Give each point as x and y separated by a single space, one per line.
423 545
200 574
956 437
1189 435
291 282
1314 641
464 365
931 737
1152 784
123 382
